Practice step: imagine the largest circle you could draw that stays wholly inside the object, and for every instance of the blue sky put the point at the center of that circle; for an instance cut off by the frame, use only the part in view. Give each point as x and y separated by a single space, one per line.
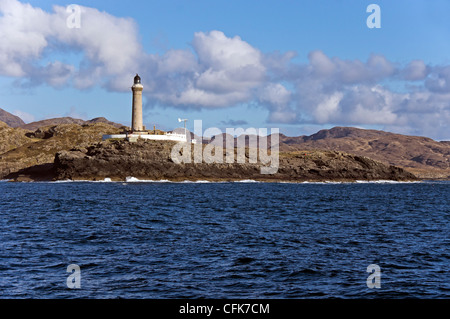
296 65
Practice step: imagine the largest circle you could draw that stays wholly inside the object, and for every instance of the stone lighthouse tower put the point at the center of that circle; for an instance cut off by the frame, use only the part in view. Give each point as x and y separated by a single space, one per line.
136 121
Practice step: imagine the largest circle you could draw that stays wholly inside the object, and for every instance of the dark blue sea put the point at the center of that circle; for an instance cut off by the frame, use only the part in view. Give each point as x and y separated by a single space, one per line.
224 240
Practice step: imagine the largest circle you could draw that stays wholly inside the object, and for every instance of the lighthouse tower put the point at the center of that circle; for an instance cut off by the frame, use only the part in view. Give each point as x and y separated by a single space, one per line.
136 121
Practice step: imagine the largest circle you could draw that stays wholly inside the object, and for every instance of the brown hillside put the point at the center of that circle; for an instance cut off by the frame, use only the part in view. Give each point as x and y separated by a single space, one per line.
11 137
10 119
67 120
421 155
41 146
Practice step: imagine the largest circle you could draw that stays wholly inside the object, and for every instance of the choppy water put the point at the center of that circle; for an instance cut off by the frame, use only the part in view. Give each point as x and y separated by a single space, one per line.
224 240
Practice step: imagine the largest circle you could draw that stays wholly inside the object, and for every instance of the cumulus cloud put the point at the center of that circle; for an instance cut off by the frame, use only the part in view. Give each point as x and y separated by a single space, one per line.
439 80
416 70
216 72
220 71
55 74
23 36
277 99
342 71
109 45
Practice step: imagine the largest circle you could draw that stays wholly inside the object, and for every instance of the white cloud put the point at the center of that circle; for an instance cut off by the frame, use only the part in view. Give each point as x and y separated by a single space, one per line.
177 61
416 70
328 108
228 64
219 72
55 74
439 80
104 39
109 44
275 94
217 51
23 31
277 99
320 64
335 69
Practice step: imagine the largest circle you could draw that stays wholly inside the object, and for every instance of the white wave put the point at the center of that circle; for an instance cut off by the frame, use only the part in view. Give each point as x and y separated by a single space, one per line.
64 181
132 179
362 182
196 182
387 182
353 182
74 181
247 181
106 180
136 180
322 183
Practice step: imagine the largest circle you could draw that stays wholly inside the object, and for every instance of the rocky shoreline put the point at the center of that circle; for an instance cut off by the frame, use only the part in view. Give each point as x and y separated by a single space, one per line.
151 160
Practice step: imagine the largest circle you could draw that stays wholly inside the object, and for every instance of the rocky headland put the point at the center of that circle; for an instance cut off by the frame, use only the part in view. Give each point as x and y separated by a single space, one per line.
152 160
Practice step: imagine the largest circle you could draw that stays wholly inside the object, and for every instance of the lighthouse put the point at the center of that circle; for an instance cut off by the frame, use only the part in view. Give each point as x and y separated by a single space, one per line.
136 121
138 130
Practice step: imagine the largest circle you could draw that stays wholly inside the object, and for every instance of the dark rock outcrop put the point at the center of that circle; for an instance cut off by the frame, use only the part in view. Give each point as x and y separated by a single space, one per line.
151 160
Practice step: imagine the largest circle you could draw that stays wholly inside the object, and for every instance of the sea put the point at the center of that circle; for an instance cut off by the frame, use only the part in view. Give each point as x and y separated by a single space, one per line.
194 240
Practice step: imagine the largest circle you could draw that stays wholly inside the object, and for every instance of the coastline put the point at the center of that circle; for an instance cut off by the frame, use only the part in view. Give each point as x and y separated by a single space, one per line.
152 160
246 181
75 152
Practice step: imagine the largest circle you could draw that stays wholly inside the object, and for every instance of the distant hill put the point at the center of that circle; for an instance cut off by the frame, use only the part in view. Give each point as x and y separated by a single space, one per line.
66 120
10 119
395 149
105 121
423 156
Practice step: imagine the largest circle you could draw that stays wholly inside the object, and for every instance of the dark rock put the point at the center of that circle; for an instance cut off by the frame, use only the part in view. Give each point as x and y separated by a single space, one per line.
151 160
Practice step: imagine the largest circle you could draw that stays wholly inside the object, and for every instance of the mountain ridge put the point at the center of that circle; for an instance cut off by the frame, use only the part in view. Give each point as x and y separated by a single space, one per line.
67 120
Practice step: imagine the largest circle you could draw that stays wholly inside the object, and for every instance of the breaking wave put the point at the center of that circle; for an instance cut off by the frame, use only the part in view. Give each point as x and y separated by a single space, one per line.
132 179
